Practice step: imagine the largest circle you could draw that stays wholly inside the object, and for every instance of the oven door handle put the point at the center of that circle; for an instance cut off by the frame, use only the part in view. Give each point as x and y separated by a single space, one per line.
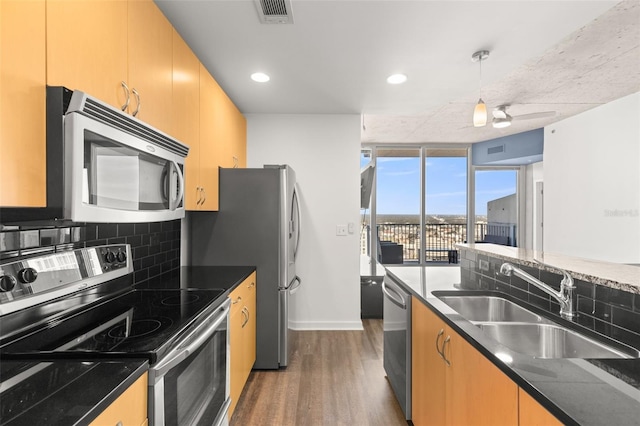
184 350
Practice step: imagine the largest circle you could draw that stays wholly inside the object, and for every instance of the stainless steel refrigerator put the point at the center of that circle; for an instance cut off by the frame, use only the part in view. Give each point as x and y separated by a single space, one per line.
258 223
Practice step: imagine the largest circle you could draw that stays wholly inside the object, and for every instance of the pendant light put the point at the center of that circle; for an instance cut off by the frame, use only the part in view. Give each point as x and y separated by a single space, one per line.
480 111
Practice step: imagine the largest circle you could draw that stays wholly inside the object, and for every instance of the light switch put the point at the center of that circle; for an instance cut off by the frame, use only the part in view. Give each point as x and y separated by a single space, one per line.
341 230
351 227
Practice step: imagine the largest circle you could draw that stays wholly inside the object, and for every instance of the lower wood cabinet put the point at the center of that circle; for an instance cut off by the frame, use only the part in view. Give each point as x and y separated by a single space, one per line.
534 414
130 408
453 383
242 336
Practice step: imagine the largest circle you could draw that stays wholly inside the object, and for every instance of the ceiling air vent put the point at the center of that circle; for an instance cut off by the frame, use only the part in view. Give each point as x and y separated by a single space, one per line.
274 11
495 149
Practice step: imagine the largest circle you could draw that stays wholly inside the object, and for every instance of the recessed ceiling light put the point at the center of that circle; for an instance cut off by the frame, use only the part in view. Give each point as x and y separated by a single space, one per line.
260 77
396 79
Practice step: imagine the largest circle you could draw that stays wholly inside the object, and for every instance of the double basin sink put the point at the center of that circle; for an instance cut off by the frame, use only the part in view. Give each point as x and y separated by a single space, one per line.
528 333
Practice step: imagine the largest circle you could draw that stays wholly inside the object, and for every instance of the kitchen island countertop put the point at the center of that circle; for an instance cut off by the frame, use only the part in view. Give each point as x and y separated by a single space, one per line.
609 274
576 391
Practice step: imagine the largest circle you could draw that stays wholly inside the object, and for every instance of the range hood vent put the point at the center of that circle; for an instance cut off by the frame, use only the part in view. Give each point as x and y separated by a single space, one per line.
274 11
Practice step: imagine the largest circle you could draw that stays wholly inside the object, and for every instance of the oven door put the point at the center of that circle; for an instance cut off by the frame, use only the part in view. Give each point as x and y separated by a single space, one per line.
114 176
190 386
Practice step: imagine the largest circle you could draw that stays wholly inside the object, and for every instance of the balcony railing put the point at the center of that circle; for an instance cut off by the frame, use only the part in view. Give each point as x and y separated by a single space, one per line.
440 239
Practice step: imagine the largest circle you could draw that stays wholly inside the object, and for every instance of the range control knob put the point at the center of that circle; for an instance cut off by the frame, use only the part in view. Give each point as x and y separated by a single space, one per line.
121 256
110 256
7 283
27 275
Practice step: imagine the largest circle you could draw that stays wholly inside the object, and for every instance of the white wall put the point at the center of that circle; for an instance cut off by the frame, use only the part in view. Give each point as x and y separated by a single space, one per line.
324 151
503 210
592 183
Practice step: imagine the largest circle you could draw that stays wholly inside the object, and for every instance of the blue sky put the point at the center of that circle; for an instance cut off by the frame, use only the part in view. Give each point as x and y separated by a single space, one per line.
398 184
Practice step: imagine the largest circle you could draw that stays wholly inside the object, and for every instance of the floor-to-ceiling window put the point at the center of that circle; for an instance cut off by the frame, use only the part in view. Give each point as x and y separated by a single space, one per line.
445 203
419 204
398 205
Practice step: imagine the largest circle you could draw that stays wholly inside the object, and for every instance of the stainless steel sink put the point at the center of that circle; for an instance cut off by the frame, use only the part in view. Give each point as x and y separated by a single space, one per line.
551 341
489 308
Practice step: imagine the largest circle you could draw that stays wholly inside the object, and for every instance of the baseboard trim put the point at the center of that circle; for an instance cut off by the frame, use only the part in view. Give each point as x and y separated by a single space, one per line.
325 325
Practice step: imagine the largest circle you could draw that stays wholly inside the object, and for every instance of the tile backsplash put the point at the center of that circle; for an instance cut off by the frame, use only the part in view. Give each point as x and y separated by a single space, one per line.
606 310
155 246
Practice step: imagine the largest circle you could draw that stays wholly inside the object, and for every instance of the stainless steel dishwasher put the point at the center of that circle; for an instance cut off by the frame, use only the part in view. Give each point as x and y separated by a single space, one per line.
397 341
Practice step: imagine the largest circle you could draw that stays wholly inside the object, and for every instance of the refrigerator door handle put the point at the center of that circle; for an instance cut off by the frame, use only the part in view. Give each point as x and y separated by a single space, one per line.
296 206
294 287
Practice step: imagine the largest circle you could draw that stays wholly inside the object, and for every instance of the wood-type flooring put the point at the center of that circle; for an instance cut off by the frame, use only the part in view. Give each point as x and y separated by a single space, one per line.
333 378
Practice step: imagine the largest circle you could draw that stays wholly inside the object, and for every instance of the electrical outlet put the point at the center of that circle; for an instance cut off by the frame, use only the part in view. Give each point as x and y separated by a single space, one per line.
341 230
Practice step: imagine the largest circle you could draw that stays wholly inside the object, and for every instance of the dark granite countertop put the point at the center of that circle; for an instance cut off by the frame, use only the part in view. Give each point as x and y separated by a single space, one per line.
201 277
576 391
75 392
64 392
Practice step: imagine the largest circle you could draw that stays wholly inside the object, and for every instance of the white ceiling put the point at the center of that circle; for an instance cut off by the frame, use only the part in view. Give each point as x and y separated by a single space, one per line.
563 55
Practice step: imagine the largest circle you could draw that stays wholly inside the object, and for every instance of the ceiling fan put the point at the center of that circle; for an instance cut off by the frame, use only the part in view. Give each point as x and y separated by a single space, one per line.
502 119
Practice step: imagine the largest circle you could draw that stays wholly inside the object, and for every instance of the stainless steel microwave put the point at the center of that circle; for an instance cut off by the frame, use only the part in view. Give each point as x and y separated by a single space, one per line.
104 165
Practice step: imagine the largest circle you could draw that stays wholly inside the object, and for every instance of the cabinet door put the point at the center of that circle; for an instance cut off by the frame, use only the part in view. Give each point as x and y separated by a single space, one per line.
210 98
238 138
236 350
428 389
22 104
533 414
150 70
87 47
186 114
130 408
250 327
478 393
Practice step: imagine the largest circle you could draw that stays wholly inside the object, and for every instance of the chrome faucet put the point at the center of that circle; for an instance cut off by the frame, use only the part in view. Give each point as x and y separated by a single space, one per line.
564 296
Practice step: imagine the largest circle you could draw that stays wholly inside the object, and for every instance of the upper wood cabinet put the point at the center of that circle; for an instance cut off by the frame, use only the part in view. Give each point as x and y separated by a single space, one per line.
453 383
96 45
87 45
150 64
186 115
232 135
209 157
22 104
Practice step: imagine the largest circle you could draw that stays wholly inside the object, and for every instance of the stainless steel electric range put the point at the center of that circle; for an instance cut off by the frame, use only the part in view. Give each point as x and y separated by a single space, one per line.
81 305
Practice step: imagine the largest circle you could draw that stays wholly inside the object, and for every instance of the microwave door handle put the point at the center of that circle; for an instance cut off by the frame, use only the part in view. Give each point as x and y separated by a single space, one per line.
183 351
175 202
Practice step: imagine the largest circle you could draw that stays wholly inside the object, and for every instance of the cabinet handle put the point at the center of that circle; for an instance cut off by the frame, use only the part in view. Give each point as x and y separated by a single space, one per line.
237 300
200 196
251 285
197 195
447 340
245 313
235 162
204 195
138 105
440 333
127 93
